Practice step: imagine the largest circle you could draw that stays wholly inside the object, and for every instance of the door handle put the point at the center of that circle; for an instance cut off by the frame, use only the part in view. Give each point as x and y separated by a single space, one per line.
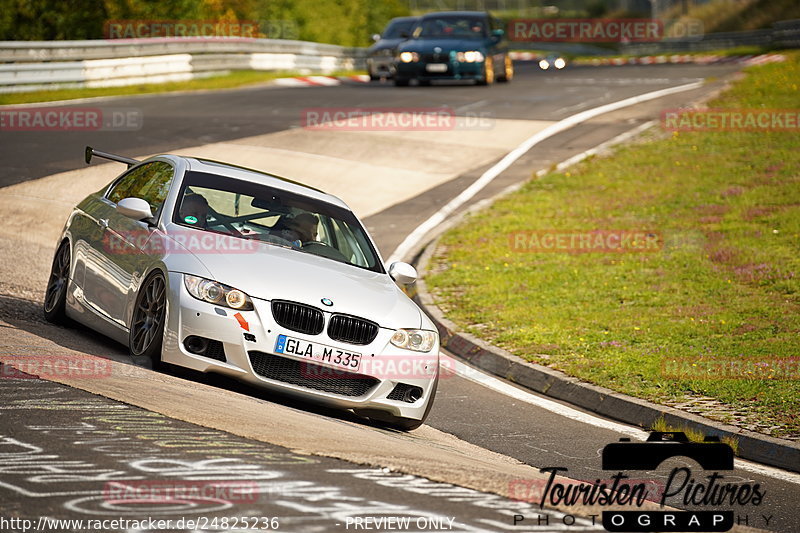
103 223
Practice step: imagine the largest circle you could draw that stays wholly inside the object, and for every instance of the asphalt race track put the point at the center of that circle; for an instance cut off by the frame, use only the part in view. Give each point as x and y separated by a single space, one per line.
64 450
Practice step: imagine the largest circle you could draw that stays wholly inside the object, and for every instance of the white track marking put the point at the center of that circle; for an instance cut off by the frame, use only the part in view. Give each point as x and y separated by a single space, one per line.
503 387
440 216
498 385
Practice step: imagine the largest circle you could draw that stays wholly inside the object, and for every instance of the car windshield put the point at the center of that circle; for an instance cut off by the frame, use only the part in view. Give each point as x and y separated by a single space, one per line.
451 27
396 28
246 210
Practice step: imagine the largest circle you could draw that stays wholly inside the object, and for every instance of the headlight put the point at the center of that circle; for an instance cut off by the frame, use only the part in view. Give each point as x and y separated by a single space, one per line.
217 293
544 65
408 57
471 56
418 340
560 63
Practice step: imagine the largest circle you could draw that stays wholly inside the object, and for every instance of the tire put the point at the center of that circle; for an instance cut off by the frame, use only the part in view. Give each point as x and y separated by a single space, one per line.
488 72
401 82
55 297
147 322
508 71
382 418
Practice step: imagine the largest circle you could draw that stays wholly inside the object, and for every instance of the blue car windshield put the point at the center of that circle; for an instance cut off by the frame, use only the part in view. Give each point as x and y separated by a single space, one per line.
451 27
397 28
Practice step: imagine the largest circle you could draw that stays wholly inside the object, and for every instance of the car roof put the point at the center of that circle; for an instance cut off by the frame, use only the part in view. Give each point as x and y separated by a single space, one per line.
456 14
256 176
412 17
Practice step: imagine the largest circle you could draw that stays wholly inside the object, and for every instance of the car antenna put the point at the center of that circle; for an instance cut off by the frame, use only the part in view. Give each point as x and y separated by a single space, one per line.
105 155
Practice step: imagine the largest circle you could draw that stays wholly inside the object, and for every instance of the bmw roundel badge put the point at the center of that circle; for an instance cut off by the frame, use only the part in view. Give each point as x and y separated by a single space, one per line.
327 301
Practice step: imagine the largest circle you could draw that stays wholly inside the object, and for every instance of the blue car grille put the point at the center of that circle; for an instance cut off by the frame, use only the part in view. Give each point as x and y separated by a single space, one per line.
435 58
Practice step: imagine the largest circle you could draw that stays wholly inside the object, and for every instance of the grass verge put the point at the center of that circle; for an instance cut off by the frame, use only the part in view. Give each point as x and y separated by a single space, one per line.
725 52
239 78
709 322
692 434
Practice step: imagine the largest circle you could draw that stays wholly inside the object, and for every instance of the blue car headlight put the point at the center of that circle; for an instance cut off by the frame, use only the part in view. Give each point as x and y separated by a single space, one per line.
470 56
408 57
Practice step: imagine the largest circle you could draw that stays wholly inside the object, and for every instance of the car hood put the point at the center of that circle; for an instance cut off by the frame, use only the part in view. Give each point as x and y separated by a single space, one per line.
275 273
447 45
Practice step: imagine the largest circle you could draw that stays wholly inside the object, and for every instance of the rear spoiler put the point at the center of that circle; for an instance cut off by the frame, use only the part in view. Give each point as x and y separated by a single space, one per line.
105 155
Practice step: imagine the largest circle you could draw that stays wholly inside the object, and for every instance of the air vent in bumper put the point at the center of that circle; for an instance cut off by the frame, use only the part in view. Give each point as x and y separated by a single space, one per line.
310 375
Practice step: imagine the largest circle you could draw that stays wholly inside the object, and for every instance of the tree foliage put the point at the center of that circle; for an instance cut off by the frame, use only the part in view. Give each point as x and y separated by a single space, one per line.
343 22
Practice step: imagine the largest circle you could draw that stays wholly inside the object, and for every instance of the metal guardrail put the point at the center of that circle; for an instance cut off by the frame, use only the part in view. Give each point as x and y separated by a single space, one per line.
31 51
784 34
32 65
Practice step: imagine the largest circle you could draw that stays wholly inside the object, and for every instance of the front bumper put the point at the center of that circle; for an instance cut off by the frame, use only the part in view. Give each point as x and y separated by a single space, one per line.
455 70
250 356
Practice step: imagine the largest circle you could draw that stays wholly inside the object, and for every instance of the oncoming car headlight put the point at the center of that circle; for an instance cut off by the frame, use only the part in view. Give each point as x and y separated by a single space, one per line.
418 340
471 56
217 293
408 57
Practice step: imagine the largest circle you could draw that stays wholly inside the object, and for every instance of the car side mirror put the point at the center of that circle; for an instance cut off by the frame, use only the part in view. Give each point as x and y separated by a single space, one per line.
403 273
135 208
376 37
498 33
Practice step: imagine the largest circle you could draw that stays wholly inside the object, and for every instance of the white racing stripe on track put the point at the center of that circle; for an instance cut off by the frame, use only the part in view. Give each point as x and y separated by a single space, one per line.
498 385
440 216
503 387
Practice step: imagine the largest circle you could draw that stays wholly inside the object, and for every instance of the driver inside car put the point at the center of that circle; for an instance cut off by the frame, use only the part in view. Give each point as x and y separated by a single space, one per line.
298 229
194 210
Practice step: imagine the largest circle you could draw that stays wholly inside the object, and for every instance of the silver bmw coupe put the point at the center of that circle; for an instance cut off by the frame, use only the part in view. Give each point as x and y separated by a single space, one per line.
225 269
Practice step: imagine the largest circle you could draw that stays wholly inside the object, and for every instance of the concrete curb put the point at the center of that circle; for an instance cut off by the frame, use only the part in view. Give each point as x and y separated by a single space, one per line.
554 384
320 81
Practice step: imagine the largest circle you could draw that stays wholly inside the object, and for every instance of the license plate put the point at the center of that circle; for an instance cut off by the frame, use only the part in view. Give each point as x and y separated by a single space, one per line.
436 67
318 352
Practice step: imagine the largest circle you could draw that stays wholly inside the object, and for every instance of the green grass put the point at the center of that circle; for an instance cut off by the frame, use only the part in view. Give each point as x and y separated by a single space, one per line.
725 286
692 434
239 78
723 15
